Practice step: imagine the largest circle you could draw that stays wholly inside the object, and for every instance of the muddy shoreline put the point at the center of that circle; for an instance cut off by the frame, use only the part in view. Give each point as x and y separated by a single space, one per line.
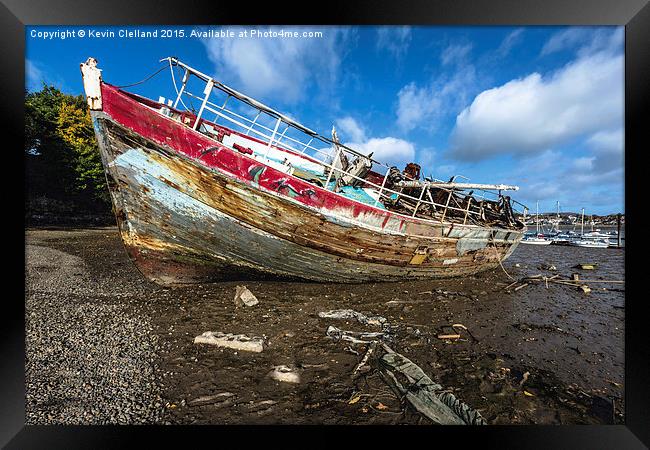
570 344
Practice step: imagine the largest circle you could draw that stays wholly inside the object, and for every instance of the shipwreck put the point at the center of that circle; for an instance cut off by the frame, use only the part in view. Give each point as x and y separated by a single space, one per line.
216 185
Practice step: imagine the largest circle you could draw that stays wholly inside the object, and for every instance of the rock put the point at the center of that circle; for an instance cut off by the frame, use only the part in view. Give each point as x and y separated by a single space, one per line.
285 374
209 399
244 297
234 341
262 405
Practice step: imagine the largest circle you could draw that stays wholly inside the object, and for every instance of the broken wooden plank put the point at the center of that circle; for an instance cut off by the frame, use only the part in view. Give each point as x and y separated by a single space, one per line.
426 396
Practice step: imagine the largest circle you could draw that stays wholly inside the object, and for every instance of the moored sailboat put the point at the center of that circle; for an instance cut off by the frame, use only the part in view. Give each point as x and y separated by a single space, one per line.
538 238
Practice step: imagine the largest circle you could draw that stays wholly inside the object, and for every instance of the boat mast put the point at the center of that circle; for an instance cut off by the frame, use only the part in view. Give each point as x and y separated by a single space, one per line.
537 214
582 224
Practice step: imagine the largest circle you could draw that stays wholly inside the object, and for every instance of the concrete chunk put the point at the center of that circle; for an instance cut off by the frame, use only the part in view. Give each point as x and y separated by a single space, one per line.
244 297
234 341
285 374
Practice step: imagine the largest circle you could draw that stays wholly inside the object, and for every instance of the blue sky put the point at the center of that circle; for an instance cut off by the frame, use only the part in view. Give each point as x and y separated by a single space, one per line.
539 107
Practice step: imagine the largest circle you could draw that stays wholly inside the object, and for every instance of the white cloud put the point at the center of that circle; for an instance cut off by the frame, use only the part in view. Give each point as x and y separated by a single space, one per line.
281 68
587 39
608 150
455 54
574 181
34 76
564 39
512 39
395 40
388 150
425 106
350 129
426 157
533 113
414 105
584 163
611 141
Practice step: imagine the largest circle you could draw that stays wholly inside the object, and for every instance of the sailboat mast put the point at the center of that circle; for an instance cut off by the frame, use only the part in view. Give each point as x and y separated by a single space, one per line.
582 224
537 217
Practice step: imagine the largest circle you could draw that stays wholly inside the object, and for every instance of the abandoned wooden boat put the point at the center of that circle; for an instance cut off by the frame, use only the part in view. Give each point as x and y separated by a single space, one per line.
197 201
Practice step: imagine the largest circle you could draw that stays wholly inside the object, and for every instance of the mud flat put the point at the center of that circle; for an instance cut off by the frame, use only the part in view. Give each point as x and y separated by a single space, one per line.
105 346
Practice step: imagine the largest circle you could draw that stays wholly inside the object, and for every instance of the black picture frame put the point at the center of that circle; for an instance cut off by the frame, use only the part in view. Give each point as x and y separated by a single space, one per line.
633 14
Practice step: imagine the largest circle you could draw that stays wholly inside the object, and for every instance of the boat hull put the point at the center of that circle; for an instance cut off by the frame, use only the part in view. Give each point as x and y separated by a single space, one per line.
183 222
536 242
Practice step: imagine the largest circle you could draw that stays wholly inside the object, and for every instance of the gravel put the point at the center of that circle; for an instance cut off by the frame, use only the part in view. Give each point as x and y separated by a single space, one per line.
90 357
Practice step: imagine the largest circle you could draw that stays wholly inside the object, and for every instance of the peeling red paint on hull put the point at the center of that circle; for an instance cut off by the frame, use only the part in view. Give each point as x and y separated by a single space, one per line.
187 216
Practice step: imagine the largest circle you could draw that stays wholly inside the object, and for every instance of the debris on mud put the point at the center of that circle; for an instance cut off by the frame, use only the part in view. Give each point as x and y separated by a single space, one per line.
285 374
574 281
571 348
448 333
352 336
347 314
428 398
234 341
244 297
221 399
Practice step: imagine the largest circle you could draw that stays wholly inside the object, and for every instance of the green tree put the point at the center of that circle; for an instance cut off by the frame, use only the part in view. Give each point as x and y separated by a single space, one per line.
75 127
62 157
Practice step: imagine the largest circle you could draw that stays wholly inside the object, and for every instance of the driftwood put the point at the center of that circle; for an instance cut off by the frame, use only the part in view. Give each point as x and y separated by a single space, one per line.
575 281
428 398
364 360
346 314
352 336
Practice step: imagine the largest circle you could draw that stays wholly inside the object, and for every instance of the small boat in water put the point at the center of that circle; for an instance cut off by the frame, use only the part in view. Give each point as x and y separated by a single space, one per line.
563 238
593 239
538 238
199 201
590 243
